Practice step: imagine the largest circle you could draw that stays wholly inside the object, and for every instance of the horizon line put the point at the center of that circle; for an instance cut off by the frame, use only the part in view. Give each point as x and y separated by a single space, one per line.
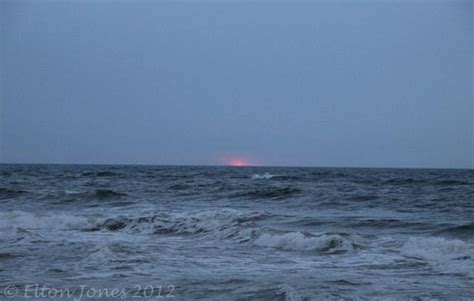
230 166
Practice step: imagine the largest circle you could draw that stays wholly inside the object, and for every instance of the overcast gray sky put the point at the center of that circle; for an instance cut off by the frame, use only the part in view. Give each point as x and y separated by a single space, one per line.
311 83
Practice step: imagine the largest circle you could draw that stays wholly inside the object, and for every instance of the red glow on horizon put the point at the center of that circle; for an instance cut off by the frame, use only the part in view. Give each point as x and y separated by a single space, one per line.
239 162
236 160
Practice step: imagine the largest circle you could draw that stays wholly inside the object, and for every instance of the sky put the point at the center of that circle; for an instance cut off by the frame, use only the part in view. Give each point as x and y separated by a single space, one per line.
284 83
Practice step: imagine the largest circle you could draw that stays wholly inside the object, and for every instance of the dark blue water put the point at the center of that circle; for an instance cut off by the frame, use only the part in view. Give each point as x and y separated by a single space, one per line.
221 233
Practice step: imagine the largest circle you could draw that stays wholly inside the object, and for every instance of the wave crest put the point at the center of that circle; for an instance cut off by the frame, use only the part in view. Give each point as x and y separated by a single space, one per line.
20 225
304 242
229 224
226 222
447 256
265 176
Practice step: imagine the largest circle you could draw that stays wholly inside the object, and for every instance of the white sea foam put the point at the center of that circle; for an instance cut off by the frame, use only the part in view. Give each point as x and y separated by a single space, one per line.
292 294
72 192
225 223
302 242
23 226
229 224
265 176
30 221
302 294
446 256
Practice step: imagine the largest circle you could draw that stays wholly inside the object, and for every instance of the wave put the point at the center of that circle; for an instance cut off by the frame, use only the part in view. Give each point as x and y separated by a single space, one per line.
364 197
72 195
466 230
304 242
269 192
452 183
225 222
8 193
444 255
101 174
116 251
179 187
413 181
293 294
229 224
107 193
5 173
32 221
265 176
7 255
387 223
18 226
280 177
403 181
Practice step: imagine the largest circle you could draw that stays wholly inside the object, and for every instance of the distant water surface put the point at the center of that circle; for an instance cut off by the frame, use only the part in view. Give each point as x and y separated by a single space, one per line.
256 233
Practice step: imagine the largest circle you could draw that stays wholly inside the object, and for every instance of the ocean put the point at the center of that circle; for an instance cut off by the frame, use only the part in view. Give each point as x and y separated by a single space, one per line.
85 232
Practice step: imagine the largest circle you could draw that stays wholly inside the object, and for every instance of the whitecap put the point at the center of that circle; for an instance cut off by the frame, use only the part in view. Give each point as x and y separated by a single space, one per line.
30 221
265 176
444 255
303 242
18 225
228 223
293 294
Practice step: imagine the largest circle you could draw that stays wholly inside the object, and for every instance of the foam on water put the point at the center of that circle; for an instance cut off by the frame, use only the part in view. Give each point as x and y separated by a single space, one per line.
304 242
220 223
444 255
264 176
31 221
225 223
241 233
25 227
293 294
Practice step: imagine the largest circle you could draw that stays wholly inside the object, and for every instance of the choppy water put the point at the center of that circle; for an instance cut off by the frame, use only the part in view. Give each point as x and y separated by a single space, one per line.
225 233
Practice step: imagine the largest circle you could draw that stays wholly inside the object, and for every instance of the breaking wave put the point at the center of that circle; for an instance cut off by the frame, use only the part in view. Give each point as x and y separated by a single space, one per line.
32 221
304 242
19 225
444 255
224 222
265 176
227 224
292 294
